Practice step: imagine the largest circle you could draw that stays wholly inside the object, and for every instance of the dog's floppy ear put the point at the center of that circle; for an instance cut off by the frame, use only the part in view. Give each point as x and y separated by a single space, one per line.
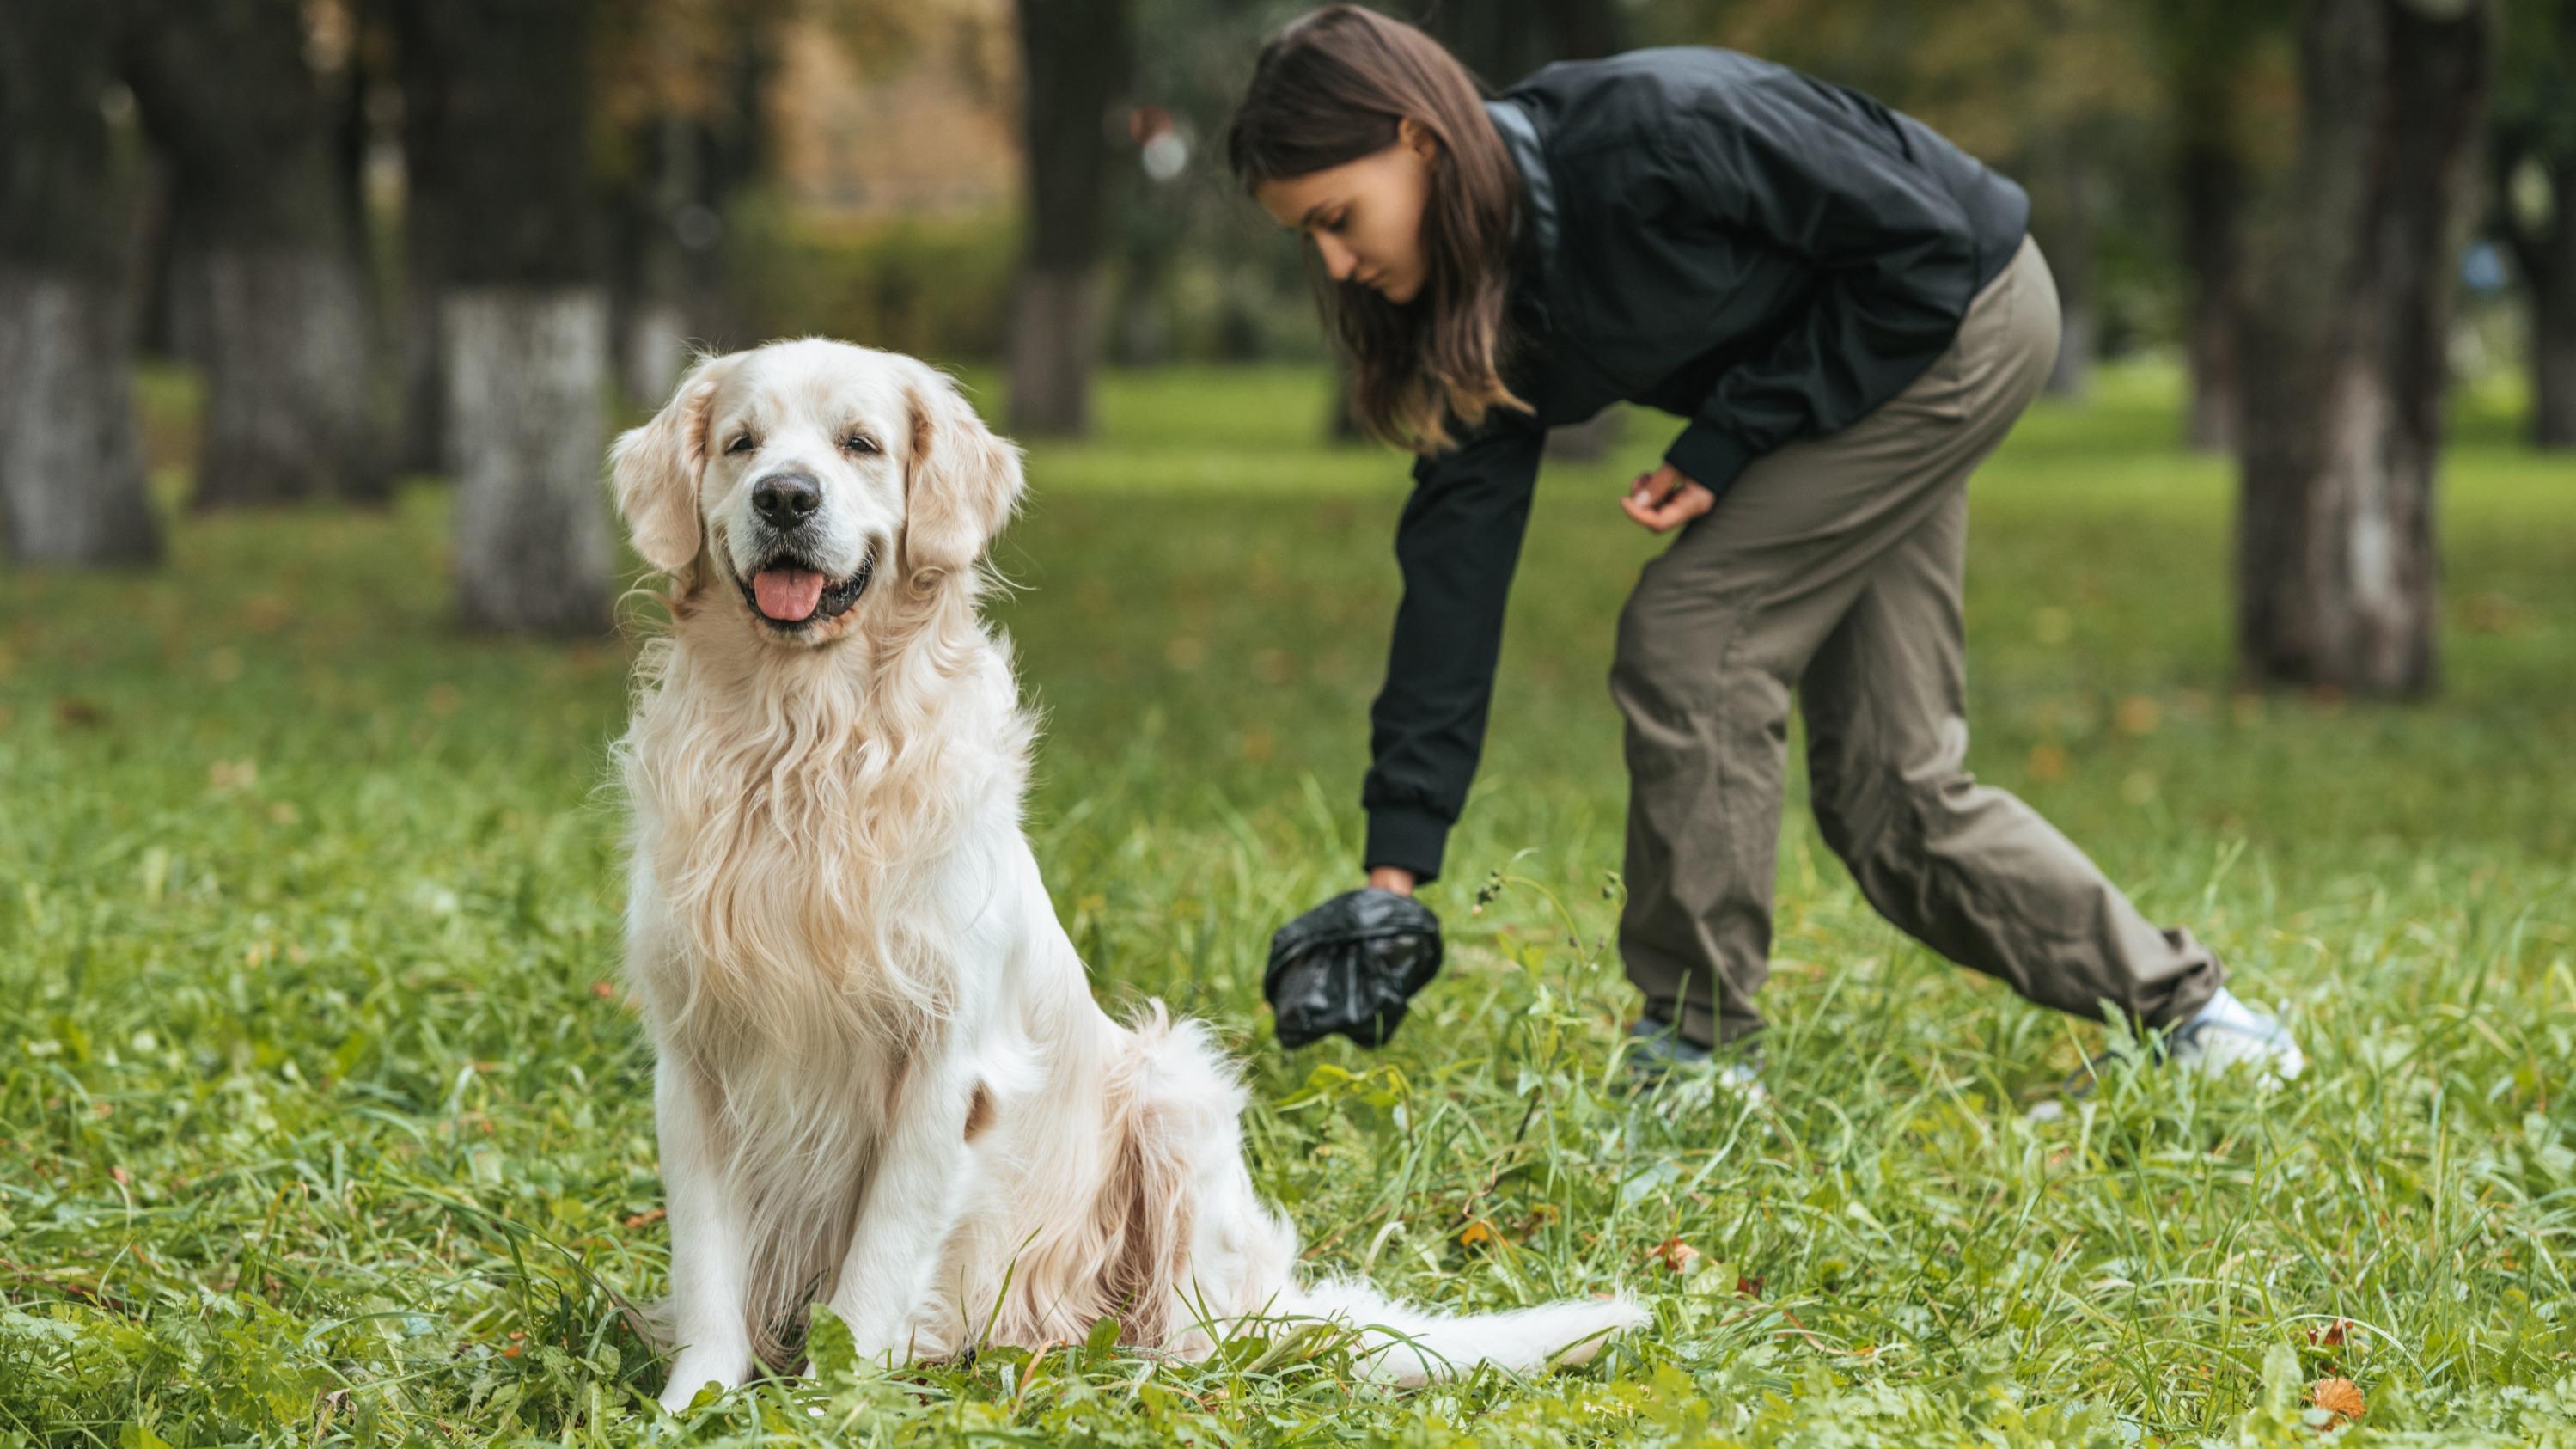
963 484
656 468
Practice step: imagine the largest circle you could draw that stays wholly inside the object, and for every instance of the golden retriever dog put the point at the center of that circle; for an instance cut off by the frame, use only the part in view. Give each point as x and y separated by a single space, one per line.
883 1083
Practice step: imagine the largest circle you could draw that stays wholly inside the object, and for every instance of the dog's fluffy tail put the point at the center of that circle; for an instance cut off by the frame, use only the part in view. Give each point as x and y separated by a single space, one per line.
1408 1345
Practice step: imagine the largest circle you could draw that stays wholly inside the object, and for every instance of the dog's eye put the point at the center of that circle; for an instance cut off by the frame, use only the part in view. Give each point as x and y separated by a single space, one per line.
859 443
742 443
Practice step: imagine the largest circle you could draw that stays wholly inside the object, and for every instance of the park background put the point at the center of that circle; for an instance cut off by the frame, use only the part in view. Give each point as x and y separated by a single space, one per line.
322 1118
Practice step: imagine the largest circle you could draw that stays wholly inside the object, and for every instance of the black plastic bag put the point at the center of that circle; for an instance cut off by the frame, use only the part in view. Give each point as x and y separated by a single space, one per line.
1350 965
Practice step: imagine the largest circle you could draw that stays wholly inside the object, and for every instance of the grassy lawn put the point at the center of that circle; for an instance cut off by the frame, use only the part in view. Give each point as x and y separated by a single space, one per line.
322 1120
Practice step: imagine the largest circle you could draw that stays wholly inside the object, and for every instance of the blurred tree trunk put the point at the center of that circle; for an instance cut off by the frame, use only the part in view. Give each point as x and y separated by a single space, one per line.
71 474
2062 206
431 178
524 318
2546 257
157 308
261 255
348 96
2532 154
2212 187
2344 347
1075 54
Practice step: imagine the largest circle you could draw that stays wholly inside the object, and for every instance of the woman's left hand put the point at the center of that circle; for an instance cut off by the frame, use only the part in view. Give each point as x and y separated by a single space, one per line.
1666 499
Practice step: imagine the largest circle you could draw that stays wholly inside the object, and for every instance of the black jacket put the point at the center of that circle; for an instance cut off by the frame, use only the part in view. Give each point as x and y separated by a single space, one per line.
1757 251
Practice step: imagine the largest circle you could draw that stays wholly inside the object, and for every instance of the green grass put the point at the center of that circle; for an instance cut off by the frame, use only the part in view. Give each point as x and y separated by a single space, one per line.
319 1121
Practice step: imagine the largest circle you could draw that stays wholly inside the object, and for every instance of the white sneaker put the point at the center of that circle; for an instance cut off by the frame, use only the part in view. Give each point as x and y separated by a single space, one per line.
2222 1035
2227 1033
1744 1080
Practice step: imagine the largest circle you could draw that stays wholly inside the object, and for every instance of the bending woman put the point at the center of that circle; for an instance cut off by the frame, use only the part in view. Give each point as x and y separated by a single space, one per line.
1848 314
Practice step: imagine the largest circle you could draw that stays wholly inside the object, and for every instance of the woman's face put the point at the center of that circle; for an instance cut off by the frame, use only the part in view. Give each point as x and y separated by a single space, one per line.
1365 216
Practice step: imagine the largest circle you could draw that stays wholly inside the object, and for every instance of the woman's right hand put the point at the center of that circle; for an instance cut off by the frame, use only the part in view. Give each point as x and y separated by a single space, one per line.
1666 499
1392 878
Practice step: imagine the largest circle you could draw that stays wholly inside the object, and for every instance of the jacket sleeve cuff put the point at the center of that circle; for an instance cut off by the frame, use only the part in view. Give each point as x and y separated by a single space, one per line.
1408 838
1709 456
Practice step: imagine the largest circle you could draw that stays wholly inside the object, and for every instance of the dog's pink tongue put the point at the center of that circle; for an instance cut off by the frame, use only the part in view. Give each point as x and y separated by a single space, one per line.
788 595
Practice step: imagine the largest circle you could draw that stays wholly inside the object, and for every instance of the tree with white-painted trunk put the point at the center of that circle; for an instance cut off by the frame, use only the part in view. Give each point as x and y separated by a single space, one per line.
525 366
71 474
524 318
2344 346
232 106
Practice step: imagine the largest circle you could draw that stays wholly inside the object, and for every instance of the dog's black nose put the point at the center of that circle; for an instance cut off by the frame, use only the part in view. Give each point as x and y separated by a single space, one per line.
783 499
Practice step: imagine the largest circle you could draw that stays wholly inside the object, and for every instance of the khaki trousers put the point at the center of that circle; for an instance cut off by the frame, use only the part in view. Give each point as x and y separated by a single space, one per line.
1833 568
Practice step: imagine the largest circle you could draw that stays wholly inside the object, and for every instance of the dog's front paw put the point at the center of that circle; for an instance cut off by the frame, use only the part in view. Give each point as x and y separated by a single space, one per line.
693 1377
876 1337
683 1395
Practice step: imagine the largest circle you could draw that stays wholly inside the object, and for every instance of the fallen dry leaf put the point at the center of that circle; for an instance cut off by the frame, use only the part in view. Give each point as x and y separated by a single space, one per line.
2341 1398
2495 614
266 613
645 1219
1674 1254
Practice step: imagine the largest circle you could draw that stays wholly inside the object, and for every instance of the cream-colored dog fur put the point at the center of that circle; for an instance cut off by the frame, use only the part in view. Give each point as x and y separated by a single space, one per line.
883 1083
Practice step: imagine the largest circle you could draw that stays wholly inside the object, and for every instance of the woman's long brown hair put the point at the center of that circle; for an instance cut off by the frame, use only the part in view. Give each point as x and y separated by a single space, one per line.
1334 86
